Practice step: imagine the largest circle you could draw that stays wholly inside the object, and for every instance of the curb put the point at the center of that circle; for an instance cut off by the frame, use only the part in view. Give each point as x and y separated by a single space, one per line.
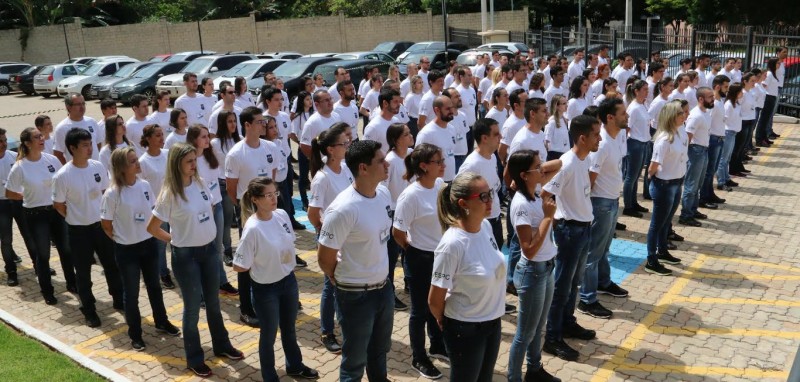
61 347
779 118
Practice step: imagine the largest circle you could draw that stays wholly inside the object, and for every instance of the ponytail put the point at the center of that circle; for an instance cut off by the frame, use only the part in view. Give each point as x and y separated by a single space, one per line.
423 153
25 136
632 88
658 85
255 189
447 204
321 143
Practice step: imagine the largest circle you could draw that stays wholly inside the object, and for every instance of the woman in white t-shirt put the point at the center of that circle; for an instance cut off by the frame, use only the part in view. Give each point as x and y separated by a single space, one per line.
221 144
115 138
400 141
416 229
764 127
124 213
733 127
532 219
161 111
284 181
209 169
499 109
154 167
266 251
536 86
597 88
329 179
556 133
179 123
412 103
299 119
186 203
468 285
577 97
661 93
45 125
609 90
319 82
243 97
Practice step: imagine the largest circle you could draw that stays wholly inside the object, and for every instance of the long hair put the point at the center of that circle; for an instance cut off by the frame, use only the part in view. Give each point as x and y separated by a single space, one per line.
25 136
606 83
772 66
321 143
255 189
733 93
300 102
237 85
518 163
112 124
208 153
631 89
223 133
557 114
156 97
173 187
119 162
447 202
666 119
666 80
423 153
575 87
174 115
393 133
537 82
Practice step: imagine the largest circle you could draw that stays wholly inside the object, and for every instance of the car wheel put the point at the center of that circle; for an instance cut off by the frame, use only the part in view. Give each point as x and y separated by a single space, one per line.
149 93
4 89
46 95
86 92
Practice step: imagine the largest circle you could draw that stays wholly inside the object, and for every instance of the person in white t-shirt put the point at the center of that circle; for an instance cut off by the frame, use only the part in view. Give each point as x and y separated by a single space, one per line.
10 209
519 79
299 120
76 110
390 101
180 125
228 98
161 110
466 299
531 135
208 99
340 74
30 180
266 251
459 124
623 71
346 107
439 132
556 132
577 65
405 85
638 138
435 85
186 203
577 97
352 253
280 121
416 229
222 144
197 108
108 107
321 120
511 124
412 103
115 138
555 85
370 100
125 208
698 128
243 97
45 126
135 124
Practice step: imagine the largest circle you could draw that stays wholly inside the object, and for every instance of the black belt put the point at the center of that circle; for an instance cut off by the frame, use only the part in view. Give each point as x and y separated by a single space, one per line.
574 222
670 181
360 287
38 209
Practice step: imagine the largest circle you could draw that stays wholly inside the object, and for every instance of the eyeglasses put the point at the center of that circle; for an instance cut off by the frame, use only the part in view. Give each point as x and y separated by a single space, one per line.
262 122
438 162
269 195
485 197
230 92
343 144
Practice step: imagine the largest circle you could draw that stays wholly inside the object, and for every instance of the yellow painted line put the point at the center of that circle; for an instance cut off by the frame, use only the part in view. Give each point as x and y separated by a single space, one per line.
734 301
638 334
691 331
758 263
728 276
705 370
136 356
122 329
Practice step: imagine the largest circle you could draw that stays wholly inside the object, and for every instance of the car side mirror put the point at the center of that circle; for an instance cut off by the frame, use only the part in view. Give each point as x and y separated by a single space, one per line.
160 75
213 69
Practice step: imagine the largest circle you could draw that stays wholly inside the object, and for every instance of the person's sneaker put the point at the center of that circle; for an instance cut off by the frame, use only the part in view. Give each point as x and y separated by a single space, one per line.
612 290
300 262
561 350
52 271
438 353
666 257
511 289
620 227
426 369
166 282
632 212
232 354
119 305
17 259
638 207
50 300
594 309
731 183
202 370
540 375
331 344
299 305
671 246
169 329
717 200
228 290
511 309
92 320
305 372
227 259
689 221
12 280
138 345
249 320
399 305
673 236
72 289
700 216
578 332
657 269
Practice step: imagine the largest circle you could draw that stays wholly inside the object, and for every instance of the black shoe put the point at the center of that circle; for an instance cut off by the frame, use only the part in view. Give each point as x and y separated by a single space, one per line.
228 290
738 174
138 345
17 259
92 320
305 372
689 221
511 289
202 370
774 136
671 246
52 272
673 236
641 209
72 289
594 309
746 171
227 259
232 354
540 375
763 143
631 212
700 216
708 205
202 304
666 257
647 197
166 282
119 304
612 290
50 300
579 332
620 227
297 226
299 306
249 320
399 305
511 309
11 280
168 329
438 353
717 200
731 183
300 262
724 187
561 350
657 269
426 369
331 344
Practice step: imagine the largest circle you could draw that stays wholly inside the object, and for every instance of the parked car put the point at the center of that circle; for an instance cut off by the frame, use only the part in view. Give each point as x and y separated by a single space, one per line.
469 57
431 47
325 54
23 81
6 70
438 60
292 72
102 89
189 56
365 56
789 101
144 80
45 83
211 66
281 55
96 72
513 47
356 68
253 71
79 60
393 48
160 58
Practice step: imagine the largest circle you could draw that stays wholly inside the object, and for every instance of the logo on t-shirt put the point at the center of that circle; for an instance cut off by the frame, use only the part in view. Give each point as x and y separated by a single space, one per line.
202 107
284 125
51 168
494 245
522 213
91 130
97 178
147 195
454 140
269 158
286 227
203 194
390 212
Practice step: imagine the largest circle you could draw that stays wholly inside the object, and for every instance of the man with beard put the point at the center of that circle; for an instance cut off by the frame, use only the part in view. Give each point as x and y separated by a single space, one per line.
389 100
698 126
345 107
440 133
459 123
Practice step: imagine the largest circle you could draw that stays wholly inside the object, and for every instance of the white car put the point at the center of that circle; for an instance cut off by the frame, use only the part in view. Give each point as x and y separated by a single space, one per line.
253 71
513 47
94 73
45 83
207 66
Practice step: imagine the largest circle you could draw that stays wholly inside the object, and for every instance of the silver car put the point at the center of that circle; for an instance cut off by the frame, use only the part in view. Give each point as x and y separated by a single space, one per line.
46 82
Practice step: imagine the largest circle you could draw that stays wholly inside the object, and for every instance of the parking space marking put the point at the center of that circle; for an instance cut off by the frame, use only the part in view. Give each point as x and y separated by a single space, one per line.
734 301
705 275
763 264
705 370
691 331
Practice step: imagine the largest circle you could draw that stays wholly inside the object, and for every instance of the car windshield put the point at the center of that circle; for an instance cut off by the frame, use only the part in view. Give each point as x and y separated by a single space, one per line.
292 69
327 72
148 71
93 69
385 47
31 69
347 56
242 69
414 57
522 47
467 59
126 71
177 57
200 65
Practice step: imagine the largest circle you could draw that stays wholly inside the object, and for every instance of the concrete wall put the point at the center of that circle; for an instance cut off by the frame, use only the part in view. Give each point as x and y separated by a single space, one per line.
307 35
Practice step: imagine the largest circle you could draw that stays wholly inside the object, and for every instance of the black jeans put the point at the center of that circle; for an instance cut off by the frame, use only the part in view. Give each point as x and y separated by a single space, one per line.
472 348
132 260
84 241
419 265
42 224
12 210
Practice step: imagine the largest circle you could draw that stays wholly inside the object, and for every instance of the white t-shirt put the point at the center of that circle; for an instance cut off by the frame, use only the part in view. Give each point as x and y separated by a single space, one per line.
213 126
316 124
359 228
245 163
557 138
575 69
671 157
424 76
197 108
211 177
334 92
538 93
483 86
105 156
129 210
426 105
154 170
395 182
222 153
551 91
134 130
160 119
267 248
748 106
244 100
572 188
513 85
655 109
34 180
405 87
445 139
174 138
284 125
486 168
412 101
401 116
638 122
487 96
327 184
526 212
733 117
417 215
376 131
191 221
510 128
49 143
63 127
6 162
621 75
461 128
780 72
448 80
473 270
349 115
499 115
371 100
575 107
469 99
282 156
595 90
718 118
771 84
698 124
606 162
691 96
528 140
82 191
364 87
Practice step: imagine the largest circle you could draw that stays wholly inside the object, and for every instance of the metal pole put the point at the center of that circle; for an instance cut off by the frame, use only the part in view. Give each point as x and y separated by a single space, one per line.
483 15
541 44
200 35
613 44
561 32
650 40
586 45
580 15
748 58
444 23
66 42
491 14
693 44
628 18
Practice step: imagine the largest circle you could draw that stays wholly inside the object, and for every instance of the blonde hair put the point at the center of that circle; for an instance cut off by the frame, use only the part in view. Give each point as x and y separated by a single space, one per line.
497 75
255 189
557 115
666 120
173 187
460 188
119 162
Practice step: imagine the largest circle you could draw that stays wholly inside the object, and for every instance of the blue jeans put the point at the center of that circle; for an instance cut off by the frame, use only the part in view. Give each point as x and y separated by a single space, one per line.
227 216
161 248
197 272
44 223
648 157
666 198
84 242
723 176
276 307
573 248
303 182
749 141
695 173
534 283
598 271
715 147
472 348
459 161
632 170
132 260
219 220
366 319
419 265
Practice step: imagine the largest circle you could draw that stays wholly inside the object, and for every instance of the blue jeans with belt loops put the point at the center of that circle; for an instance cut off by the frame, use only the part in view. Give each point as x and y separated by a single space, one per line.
598 271
572 242
695 171
534 283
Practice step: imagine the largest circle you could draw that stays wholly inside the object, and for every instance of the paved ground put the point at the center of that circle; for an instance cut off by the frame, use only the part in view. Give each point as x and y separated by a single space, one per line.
729 314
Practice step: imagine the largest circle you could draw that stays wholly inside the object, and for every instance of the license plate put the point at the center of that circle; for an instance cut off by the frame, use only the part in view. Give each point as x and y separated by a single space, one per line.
93 92
115 95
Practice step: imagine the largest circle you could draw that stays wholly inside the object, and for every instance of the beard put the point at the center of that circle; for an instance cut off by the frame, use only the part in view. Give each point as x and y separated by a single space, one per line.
708 105
446 118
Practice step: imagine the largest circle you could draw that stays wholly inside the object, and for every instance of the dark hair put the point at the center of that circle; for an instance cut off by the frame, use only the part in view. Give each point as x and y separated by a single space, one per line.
39 121
267 94
202 83
111 132
188 75
342 85
137 99
658 85
654 67
2 131
423 153
519 162
237 84
248 115
482 127
679 78
581 125
606 107
747 76
733 93
587 72
606 83
686 61
222 129
75 136
514 97
321 143
632 88
720 80
386 95
154 101
556 70
191 138
393 133
496 94
592 111
360 152
174 115
254 189
772 66
147 132
756 71
575 87
299 103
434 75
532 104
107 103
447 202
537 79
25 136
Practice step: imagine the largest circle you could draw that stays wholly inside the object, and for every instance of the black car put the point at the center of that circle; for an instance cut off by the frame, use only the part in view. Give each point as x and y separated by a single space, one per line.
293 72
144 80
102 89
23 81
438 60
356 69
393 48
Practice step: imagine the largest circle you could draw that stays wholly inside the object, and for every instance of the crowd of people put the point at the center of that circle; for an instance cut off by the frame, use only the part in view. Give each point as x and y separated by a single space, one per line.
445 160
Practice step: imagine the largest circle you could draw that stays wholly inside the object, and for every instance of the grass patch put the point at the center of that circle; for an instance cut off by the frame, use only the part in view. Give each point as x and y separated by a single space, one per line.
25 359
